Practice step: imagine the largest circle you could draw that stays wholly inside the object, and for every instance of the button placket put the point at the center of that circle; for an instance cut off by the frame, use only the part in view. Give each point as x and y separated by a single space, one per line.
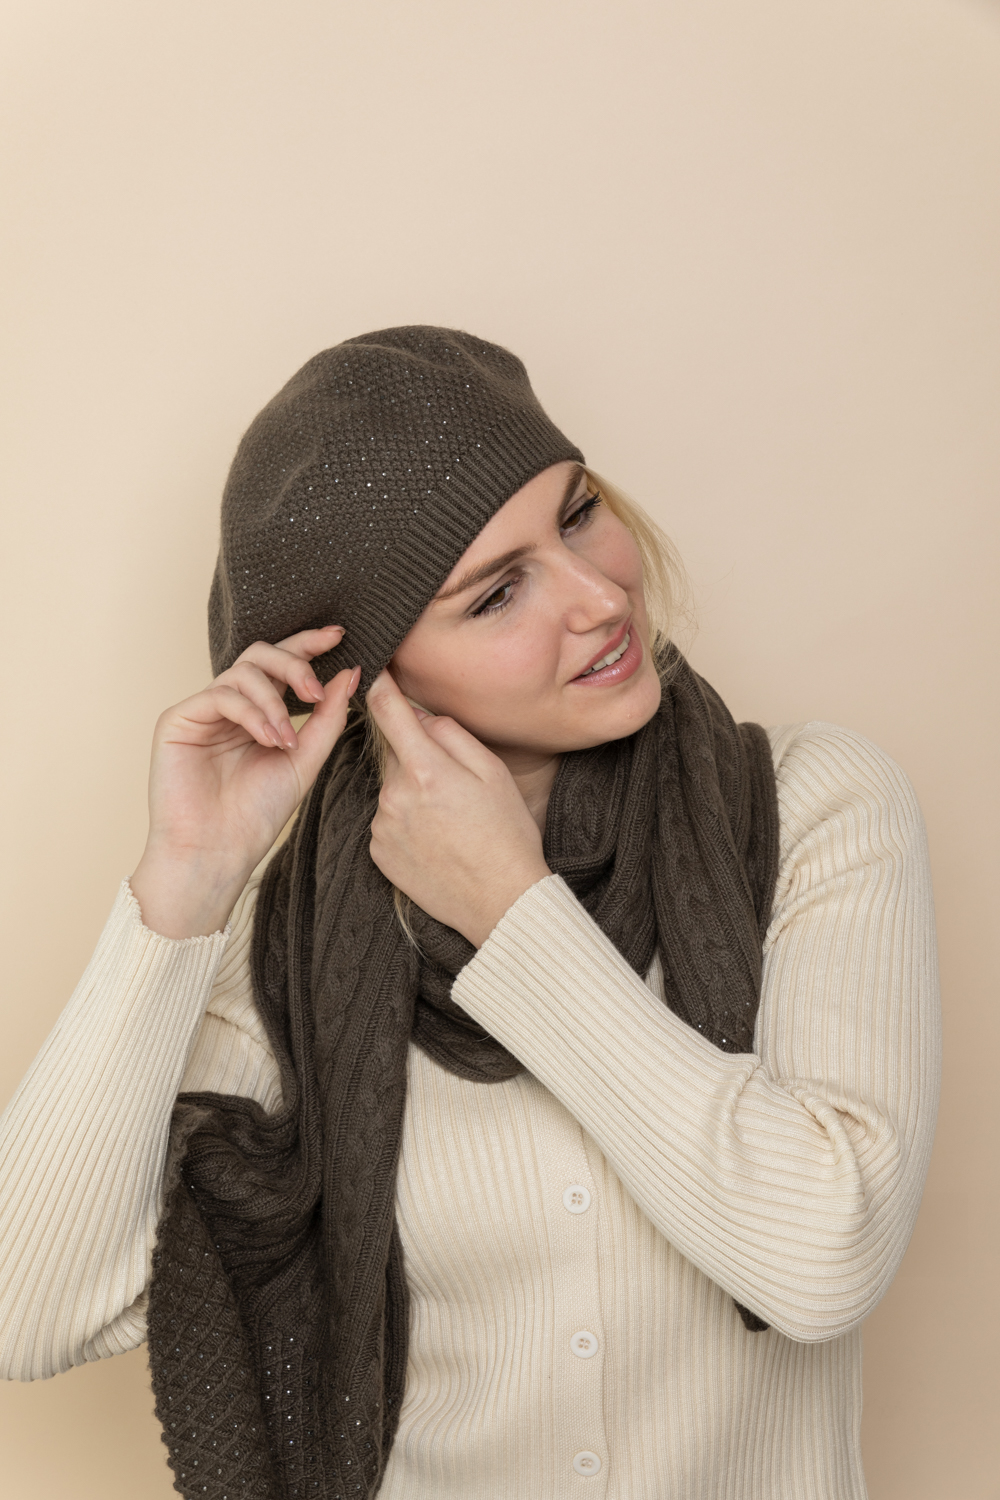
583 1343
571 1215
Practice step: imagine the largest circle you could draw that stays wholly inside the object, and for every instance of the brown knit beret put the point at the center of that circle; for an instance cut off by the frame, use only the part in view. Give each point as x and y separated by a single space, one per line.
357 489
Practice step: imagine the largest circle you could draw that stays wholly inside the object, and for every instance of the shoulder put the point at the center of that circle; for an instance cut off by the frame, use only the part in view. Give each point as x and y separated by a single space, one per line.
840 797
821 768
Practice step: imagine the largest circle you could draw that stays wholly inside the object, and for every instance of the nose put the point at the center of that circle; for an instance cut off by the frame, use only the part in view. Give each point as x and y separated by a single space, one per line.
591 598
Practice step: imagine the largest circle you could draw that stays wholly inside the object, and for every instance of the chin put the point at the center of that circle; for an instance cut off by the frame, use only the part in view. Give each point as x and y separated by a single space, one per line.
616 720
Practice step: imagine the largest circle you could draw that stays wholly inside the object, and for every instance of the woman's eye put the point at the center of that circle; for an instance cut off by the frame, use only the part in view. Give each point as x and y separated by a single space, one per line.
580 517
499 597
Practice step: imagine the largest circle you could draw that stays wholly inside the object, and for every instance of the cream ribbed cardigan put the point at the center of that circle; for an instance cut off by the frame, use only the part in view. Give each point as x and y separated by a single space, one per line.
573 1237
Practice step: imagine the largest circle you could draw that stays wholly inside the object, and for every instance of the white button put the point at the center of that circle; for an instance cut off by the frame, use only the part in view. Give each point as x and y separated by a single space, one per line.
584 1344
576 1198
587 1463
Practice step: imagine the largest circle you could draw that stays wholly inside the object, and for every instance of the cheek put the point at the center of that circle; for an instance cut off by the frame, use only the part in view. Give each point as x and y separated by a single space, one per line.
620 559
477 676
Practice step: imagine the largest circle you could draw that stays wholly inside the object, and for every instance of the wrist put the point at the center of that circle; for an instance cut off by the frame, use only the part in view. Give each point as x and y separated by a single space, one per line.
188 893
500 900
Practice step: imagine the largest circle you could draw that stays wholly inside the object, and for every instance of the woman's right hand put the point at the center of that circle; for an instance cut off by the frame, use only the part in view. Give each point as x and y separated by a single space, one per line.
227 772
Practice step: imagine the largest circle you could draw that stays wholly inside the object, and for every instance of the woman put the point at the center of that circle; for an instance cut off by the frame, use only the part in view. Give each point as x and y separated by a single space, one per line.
550 1119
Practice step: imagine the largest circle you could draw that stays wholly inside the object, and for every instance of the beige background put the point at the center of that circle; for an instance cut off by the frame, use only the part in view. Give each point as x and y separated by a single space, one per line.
750 255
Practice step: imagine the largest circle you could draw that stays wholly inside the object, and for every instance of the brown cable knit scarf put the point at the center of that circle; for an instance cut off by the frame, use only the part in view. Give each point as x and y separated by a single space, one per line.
278 1309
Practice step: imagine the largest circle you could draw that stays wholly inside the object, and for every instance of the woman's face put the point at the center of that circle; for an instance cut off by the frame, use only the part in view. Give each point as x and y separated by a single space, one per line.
550 586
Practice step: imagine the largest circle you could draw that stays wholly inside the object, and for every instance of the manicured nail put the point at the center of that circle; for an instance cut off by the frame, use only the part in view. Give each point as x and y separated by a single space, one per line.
315 687
274 736
355 679
288 734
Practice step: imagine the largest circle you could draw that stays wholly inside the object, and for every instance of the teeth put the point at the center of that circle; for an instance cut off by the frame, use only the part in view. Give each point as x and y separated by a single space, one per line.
612 656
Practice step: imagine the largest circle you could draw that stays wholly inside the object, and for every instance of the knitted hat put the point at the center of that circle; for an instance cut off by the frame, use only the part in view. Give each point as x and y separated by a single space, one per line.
356 490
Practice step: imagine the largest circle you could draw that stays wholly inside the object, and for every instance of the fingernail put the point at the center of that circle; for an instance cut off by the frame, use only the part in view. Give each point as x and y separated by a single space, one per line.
274 736
315 687
355 679
288 734
335 627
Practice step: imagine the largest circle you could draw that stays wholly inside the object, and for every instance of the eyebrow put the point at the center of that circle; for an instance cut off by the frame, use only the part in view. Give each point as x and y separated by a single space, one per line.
497 564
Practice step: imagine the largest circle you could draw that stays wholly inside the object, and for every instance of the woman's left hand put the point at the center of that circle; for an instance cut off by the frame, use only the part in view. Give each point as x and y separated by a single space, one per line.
452 830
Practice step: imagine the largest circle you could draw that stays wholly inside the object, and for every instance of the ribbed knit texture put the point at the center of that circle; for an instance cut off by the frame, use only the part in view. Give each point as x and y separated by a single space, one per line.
63 1139
790 1178
359 486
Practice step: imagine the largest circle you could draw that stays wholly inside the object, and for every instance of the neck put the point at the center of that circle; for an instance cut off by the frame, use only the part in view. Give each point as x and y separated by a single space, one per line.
534 774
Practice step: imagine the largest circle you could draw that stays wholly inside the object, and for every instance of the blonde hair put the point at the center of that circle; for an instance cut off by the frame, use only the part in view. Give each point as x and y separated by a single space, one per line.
666 591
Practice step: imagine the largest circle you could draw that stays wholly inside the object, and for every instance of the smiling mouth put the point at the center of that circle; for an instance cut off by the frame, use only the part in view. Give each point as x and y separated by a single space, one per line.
611 658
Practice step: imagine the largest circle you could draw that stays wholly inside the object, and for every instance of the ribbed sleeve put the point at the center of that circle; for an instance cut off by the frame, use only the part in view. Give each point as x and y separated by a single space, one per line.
82 1145
790 1176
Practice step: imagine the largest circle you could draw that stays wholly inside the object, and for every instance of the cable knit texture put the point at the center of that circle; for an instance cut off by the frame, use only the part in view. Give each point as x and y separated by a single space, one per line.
790 1178
278 1250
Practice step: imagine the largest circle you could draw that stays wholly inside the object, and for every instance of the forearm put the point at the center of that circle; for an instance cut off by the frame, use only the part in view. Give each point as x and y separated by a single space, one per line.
82 1145
795 1193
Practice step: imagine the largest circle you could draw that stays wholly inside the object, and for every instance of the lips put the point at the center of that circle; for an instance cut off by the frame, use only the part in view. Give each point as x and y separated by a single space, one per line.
609 659
617 644
622 656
